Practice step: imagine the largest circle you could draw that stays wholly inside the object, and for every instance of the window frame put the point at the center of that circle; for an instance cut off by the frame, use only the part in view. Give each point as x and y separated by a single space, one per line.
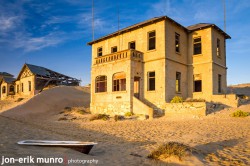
3 89
219 83
195 86
112 49
218 48
22 88
12 89
119 85
99 52
178 82
149 81
129 45
197 43
177 42
97 83
151 38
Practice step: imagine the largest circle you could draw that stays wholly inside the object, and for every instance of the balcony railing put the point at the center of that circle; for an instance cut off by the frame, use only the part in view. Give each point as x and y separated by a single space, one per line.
125 54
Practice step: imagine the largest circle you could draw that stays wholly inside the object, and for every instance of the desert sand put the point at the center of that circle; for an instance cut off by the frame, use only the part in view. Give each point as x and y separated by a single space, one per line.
218 138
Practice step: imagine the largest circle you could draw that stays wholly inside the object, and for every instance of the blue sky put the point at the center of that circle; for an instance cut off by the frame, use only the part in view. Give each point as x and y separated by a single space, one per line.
54 33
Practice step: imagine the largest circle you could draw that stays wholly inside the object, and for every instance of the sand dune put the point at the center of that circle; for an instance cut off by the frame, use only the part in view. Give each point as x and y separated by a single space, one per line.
51 102
219 138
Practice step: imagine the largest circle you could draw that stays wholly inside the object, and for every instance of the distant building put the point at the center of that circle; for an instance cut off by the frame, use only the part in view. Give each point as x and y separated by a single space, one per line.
6 85
33 79
155 60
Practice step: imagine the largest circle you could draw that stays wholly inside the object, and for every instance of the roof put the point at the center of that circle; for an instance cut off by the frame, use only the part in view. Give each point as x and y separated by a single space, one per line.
157 19
6 74
136 26
8 80
38 70
195 27
43 72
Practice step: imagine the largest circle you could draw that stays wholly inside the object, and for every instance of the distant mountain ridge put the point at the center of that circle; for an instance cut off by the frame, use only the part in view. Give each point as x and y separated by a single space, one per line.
239 89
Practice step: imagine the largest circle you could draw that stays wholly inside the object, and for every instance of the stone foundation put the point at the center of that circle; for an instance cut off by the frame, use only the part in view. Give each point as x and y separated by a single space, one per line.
186 109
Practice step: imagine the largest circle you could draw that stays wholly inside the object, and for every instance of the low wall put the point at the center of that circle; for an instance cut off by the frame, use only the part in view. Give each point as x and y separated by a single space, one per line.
114 108
230 100
140 108
186 109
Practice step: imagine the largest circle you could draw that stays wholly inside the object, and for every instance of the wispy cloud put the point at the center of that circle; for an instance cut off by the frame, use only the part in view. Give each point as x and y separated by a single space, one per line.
29 43
8 23
21 30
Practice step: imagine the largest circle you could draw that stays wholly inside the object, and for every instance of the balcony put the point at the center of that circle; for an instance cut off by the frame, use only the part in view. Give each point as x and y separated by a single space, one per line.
129 54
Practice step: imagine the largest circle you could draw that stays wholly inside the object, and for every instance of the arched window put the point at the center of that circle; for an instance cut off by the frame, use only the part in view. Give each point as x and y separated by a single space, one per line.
12 88
101 84
4 89
119 81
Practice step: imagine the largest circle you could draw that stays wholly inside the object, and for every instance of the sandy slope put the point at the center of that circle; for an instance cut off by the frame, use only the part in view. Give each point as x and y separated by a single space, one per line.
219 138
51 102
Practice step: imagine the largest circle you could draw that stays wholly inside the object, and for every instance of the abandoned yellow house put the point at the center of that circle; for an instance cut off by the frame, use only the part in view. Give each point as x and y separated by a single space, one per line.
149 63
6 85
33 79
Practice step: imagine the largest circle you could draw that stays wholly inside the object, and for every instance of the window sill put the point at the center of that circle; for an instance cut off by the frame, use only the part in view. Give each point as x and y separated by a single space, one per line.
178 92
197 55
119 91
178 53
101 93
198 92
151 50
151 91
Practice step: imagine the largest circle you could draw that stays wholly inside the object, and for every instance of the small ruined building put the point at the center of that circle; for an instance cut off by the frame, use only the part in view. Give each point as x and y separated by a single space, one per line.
32 80
147 64
7 84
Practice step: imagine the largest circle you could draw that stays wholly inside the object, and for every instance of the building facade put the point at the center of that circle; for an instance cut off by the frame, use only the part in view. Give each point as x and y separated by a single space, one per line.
155 60
33 79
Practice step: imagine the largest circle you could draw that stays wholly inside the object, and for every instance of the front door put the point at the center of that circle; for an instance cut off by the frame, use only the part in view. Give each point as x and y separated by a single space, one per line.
137 87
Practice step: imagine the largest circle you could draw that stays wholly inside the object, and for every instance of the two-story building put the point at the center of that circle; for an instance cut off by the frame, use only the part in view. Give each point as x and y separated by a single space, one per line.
155 60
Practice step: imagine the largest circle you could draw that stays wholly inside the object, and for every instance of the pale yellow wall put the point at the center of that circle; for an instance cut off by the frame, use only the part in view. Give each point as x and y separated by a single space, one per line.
219 65
25 77
111 102
201 63
175 62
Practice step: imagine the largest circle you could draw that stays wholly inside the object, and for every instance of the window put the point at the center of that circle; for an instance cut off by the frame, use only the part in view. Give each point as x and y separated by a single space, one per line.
218 48
4 89
219 83
114 49
177 42
22 87
101 84
197 46
131 45
29 85
178 82
99 51
151 40
197 83
17 89
151 81
119 82
12 88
